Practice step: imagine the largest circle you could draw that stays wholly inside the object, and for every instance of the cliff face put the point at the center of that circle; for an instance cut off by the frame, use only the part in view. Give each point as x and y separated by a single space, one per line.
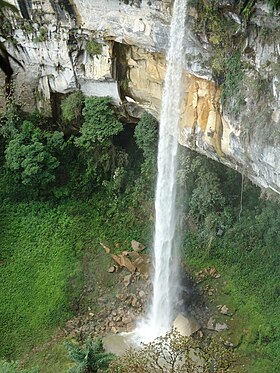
231 108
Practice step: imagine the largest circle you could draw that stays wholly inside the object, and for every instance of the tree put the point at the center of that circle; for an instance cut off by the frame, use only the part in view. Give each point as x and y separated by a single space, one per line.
174 353
32 155
100 123
146 136
96 144
90 359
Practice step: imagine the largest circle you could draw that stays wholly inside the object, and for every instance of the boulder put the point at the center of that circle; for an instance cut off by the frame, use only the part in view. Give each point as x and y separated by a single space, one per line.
137 246
224 310
124 261
127 263
213 325
186 325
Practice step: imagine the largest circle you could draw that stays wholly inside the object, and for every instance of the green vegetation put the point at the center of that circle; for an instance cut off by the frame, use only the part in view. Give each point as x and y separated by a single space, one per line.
14 367
43 242
91 359
93 48
63 193
102 158
39 254
233 93
31 155
146 136
275 4
241 240
71 108
42 35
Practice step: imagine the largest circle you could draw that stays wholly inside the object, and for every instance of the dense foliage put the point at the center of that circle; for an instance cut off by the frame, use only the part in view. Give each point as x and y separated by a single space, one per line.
32 155
71 108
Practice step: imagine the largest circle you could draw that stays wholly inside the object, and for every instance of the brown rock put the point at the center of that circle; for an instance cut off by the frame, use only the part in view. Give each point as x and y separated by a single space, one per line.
137 246
121 296
112 269
134 255
135 302
114 330
117 259
106 248
138 261
127 319
127 280
127 263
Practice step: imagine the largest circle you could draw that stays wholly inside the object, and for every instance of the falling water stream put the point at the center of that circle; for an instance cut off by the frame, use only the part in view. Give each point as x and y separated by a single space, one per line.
166 257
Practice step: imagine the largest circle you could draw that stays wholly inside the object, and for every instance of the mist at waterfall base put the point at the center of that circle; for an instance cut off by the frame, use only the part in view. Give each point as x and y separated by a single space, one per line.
166 248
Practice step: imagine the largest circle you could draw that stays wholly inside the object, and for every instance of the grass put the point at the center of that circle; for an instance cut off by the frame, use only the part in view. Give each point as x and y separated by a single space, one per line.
52 359
39 255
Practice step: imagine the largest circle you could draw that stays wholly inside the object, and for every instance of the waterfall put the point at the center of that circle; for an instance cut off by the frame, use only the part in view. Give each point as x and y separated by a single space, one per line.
166 257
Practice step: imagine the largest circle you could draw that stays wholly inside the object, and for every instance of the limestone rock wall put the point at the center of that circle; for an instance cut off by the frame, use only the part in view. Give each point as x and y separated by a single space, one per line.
52 42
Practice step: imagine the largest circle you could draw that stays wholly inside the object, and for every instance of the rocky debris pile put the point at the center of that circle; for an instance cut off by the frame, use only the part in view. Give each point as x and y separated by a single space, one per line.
121 313
133 261
206 273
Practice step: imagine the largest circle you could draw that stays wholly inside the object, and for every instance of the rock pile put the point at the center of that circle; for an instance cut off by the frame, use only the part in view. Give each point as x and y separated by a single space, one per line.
121 313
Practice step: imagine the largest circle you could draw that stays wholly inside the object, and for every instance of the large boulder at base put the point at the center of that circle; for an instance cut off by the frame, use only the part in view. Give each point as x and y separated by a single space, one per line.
186 325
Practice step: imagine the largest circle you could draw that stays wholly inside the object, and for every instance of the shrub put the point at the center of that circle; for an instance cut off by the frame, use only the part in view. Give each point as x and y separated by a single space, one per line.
93 48
146 138
90 359
71 107
11 121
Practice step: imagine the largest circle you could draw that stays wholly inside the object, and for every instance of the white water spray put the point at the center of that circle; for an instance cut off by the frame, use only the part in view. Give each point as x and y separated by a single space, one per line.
166 258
